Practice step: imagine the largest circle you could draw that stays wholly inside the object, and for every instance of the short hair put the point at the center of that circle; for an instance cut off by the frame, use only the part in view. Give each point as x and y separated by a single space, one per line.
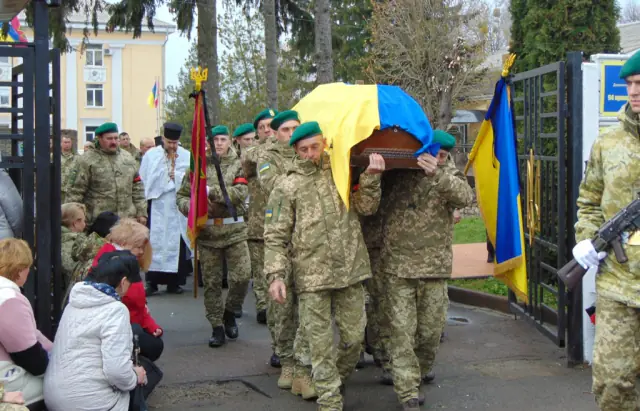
15 256
112 267
71 212
65 136
124 133
129 233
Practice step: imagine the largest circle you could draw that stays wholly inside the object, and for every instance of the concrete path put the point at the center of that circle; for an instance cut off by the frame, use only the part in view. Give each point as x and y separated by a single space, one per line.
488 361
470 261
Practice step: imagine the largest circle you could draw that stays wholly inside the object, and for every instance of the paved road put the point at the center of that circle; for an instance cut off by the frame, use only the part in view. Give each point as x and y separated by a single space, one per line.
489 361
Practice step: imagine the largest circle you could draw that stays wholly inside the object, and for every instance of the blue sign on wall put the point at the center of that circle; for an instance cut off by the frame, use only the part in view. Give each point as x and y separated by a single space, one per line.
613 89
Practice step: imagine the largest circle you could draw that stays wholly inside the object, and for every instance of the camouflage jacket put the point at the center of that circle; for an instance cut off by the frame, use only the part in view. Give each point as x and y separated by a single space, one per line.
67 162
258 199
107 182
372 225
307 221
216 234
135 153
272 165
5 406
611 181
78 251
418 230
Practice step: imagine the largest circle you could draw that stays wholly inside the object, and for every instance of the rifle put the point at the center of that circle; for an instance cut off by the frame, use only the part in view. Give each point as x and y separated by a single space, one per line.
609 235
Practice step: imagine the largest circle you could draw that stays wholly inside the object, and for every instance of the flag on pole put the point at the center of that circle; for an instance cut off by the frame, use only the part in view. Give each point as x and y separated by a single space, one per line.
14 35
152 100
495 165
198 206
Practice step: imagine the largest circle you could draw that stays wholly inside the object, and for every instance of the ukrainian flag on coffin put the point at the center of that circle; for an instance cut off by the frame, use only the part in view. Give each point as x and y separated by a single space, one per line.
348 114
495 166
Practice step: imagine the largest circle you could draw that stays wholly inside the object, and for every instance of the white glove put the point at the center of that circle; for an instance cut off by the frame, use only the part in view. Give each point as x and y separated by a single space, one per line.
586 255
208 189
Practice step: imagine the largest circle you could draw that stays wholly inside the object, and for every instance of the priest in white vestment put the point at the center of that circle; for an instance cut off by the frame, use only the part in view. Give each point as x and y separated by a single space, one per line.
161 171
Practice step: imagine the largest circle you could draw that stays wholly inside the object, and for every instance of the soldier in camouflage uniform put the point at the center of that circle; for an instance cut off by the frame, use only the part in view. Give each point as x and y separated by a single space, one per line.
106 179
417 260
611 181
273 162
257 205
308 226
244 136
67 162
224 238
11 401
125 143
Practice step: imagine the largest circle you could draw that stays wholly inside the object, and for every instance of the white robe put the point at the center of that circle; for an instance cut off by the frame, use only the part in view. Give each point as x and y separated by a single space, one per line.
167 223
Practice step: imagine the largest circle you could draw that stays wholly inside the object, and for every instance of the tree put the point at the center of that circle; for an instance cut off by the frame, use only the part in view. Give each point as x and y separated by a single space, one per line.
630 13
495 24
271 50
429 48
179 107
324 51
545 31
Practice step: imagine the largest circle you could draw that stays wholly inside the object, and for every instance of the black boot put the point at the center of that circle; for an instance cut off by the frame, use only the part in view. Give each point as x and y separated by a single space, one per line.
429 377
261 317
150 289
490 257
238 313
217 337
174 289
361 362
275 361
230 326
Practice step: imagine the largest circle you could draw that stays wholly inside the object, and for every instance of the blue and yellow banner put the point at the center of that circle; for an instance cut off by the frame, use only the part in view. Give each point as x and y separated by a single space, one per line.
495 165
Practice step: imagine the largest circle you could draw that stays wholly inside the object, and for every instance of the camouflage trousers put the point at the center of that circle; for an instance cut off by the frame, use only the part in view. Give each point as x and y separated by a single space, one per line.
288 336
256 250
378 328
417 310
616 355
317 309
12 407
238 275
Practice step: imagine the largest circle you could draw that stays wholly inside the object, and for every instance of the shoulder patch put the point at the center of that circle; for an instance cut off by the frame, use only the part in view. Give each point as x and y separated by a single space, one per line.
264 167
268 213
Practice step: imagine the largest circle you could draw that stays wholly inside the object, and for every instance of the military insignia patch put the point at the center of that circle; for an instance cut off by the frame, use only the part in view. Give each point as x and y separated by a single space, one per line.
272 113
264 167
268 213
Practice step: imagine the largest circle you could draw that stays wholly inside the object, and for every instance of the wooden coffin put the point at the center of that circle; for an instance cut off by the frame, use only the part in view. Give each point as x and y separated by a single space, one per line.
397 147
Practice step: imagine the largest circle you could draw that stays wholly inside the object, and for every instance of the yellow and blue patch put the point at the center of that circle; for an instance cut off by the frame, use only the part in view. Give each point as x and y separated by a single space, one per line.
268 213
264 168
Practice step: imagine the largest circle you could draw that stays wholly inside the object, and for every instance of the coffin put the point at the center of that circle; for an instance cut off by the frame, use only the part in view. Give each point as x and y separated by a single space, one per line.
397 147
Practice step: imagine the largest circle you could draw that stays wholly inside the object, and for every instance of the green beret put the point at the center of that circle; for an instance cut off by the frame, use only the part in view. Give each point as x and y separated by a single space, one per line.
219 130
106 128
305 130
446 140
266 113
283 117
244 129
631 66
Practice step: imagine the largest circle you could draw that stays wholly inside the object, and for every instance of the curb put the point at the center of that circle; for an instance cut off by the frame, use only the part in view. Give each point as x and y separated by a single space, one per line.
479 299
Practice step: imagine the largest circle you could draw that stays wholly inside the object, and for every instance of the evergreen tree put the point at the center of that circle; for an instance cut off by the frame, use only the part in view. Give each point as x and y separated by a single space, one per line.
544 31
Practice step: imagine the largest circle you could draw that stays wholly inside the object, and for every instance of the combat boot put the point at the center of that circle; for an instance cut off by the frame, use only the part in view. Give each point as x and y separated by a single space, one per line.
302 383
261 317
285 382
275 361
411 405
429 377
361 362
386 378
217 337
230 326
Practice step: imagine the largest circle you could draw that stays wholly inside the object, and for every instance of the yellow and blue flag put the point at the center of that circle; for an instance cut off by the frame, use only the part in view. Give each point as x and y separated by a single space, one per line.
495 165
152 100
349 114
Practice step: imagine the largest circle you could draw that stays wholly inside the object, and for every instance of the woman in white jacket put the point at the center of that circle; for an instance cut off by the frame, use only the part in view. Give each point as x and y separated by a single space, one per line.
90 368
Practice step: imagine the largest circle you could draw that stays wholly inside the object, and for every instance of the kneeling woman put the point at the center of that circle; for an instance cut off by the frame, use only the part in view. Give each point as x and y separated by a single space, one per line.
90 366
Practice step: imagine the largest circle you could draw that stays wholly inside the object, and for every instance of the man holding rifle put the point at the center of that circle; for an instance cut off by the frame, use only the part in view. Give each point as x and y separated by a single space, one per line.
611 182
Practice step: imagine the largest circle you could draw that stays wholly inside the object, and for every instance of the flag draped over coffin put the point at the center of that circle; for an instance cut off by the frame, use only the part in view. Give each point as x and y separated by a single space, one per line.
495 165
348 114
198 205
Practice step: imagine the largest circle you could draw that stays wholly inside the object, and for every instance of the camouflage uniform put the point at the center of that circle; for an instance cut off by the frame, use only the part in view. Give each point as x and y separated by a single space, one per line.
107 182
135 153
78 252
417 259
67 162
329 262
611 181
222 238
257 204
4 406
273 162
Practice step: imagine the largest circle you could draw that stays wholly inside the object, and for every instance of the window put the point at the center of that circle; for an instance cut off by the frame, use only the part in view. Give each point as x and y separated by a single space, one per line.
93 55
94 95
5 97
89 133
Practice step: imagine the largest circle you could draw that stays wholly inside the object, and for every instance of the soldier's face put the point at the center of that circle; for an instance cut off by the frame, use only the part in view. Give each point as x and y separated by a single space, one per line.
246 140
170 146
66 145
109 142
286 130
310 148
221 144
146 145
442 157
633 90
79 225
125 140
264 129
88 145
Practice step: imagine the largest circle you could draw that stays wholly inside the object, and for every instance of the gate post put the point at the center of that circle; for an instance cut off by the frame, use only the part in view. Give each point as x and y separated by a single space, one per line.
574 176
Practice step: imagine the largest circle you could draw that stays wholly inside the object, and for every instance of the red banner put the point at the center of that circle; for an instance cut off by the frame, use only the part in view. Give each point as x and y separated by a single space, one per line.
198 206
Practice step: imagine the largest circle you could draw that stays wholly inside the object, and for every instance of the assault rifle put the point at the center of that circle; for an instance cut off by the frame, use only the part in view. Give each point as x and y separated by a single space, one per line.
609 236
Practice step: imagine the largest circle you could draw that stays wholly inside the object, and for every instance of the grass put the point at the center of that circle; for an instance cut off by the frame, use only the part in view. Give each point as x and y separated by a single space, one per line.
469 230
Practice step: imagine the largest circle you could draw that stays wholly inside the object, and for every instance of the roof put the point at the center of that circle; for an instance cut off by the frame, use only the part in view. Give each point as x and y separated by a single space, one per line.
81 20
629 42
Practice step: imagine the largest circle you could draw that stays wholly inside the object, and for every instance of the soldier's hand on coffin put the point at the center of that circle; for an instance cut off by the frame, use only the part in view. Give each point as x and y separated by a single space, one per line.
376 164
278 291
428 163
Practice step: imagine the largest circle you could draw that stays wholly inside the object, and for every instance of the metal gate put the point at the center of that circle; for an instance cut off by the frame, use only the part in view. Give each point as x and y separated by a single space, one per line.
548 111
33 167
